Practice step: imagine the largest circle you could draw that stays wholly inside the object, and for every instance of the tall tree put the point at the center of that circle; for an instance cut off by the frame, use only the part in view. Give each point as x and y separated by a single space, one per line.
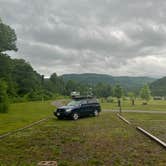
26 78
145 93
7 38
57 84
7 43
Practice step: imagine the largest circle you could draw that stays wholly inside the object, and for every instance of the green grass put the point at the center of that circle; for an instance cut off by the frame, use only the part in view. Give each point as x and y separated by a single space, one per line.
22 114
104 140
154 123
156 105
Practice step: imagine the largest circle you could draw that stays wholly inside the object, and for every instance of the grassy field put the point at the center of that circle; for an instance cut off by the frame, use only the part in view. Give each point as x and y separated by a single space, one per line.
104 140
154 105
21 114
154 123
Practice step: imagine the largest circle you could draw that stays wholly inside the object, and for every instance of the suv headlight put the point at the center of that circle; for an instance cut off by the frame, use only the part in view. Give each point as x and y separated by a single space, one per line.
68 110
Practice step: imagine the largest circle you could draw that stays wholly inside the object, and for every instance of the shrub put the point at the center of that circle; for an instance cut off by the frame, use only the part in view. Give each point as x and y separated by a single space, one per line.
145 93
110 99
4 102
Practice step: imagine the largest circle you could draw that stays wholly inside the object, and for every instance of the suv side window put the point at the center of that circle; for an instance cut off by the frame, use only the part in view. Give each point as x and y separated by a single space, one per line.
92 100
84 102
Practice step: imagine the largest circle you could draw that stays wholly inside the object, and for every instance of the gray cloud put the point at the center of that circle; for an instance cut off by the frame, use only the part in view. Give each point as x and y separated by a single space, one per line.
104 36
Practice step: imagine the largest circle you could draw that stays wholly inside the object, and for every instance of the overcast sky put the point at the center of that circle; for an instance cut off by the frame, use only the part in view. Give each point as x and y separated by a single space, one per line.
116 37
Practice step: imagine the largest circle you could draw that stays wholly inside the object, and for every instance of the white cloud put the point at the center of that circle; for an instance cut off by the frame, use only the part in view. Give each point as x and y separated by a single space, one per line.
111 36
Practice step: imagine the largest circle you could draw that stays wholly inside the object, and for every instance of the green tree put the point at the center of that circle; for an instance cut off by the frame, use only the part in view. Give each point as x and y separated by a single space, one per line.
7 38
5 73
118 91
145 93
4 104
26 78
103 90
70 86
57 84
7 43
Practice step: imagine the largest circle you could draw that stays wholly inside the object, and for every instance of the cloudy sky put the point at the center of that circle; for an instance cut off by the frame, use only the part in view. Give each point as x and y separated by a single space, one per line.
116 37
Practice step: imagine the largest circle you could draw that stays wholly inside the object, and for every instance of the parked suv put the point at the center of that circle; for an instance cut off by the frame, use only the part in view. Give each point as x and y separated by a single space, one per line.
79 107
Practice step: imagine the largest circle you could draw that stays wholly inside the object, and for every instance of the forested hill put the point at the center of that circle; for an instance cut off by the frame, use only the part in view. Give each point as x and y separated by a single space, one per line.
129 83
24 83
158 87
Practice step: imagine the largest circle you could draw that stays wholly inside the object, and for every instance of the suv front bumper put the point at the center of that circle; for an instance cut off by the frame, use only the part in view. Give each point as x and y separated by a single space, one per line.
63 114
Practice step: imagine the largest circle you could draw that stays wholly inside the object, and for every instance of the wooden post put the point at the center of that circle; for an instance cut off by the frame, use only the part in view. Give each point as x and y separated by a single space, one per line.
42 83
152 136
119 104
47 163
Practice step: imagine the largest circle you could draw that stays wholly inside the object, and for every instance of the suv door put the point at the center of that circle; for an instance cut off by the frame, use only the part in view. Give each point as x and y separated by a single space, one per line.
84 108
92 105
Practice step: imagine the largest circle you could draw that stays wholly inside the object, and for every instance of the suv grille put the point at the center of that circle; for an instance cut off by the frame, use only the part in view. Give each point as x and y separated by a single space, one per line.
61 110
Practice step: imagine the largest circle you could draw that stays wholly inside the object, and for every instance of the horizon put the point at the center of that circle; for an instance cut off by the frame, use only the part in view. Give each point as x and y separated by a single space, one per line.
109 75
47 76
79 73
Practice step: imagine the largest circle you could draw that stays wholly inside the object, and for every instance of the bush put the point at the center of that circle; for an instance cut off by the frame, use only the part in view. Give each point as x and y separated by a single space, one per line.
4 102
124 98
19 99
4 107
110 99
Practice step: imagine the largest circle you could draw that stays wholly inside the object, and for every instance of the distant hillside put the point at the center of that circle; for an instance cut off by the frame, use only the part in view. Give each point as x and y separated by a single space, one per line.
129 83
158 87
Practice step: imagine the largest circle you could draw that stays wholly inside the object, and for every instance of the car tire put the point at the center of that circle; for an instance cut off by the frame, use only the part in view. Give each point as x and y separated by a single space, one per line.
75 116
96 113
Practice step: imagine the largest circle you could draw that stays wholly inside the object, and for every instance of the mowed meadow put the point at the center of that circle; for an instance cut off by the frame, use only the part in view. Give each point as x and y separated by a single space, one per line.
22 114
153 105
92 141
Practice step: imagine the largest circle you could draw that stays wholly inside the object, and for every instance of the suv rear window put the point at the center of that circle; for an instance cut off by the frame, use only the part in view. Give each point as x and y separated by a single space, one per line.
83 101
92 100
77 102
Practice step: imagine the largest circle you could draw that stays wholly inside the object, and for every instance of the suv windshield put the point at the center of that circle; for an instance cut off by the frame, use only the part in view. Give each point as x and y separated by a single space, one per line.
76 102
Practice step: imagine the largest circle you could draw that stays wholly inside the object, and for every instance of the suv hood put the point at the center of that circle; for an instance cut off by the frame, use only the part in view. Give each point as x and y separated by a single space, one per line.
68 107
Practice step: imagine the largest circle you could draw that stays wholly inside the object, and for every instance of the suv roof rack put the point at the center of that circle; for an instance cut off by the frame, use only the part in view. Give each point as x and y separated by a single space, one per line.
82 97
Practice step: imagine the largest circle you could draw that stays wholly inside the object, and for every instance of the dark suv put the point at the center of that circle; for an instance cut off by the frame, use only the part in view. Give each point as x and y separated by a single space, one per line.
79 107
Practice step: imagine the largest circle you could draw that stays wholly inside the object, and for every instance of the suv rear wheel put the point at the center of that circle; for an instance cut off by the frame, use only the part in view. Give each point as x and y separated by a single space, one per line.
75 116
96 113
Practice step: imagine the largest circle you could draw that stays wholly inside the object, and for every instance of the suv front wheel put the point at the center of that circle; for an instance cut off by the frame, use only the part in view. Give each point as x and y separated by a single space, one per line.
75 116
